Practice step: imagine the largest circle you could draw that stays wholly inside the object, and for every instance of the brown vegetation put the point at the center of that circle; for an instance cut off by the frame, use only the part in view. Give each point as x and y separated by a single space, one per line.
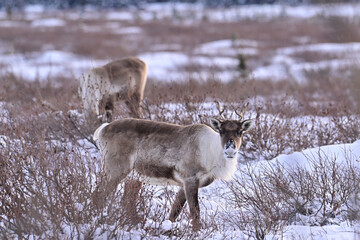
49 168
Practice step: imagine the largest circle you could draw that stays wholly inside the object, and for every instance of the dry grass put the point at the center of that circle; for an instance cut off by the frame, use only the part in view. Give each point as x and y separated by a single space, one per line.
75 37
49 177
48 173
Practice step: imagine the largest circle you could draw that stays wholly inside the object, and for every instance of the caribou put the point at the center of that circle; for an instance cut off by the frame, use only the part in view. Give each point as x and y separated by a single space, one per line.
122 79
190 157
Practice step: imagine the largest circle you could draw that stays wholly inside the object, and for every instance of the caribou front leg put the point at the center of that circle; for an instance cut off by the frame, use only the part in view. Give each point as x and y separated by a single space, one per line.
191 192
178 205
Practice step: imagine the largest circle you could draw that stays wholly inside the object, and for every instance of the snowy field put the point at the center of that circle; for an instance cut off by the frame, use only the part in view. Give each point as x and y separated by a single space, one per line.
223 212
168 59
298 173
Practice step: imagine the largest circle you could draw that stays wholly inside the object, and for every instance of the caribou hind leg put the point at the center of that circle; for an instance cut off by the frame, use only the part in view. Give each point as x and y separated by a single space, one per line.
117 169
114 174
105 187
131 191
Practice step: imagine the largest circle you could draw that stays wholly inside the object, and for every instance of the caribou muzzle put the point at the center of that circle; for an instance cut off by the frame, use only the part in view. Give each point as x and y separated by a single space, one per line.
230 150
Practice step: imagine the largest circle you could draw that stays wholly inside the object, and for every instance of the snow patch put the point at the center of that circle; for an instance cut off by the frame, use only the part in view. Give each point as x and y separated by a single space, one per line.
120 16
322 47
49 22
340 152
164 66
34 8
128 30
283 66
314 232
228 47
43 65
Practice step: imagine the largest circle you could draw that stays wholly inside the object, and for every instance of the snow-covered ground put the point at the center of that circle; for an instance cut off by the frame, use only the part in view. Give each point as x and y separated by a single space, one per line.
46 64
284 66
214 199
168 65
265 12
307 159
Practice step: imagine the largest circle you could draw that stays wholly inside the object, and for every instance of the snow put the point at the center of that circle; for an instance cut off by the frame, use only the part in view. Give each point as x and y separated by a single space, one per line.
224 62
128 30
181 11
35 8
289 69
341 152
166 225
330 232
274 71
284 66
120 16
54 56
94 29
333 48
268 12
166 63
233 14
46 64
228 47
115 28
48 22
164 66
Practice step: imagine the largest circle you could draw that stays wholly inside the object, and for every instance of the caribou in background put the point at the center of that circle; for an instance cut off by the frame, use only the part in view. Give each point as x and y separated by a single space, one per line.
101 87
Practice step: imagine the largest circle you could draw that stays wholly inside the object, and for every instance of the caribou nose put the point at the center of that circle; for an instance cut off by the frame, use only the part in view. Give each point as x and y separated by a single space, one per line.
230 144
230 150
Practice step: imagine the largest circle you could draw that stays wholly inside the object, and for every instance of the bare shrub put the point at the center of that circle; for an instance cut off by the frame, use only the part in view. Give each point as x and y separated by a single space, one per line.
49 174
49 177
45 189
279 133
315 192
49 169
50 194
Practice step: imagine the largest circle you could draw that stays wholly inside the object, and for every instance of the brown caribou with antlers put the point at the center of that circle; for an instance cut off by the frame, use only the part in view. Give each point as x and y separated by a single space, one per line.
190 156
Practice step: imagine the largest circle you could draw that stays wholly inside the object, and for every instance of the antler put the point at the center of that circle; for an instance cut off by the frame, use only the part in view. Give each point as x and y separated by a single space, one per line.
242 113
221 109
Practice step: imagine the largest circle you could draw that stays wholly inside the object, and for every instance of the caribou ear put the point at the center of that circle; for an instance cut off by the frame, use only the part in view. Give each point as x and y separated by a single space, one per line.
247 125
215 124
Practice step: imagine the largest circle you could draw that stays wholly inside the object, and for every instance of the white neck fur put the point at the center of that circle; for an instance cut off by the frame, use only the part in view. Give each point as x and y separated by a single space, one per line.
221 168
